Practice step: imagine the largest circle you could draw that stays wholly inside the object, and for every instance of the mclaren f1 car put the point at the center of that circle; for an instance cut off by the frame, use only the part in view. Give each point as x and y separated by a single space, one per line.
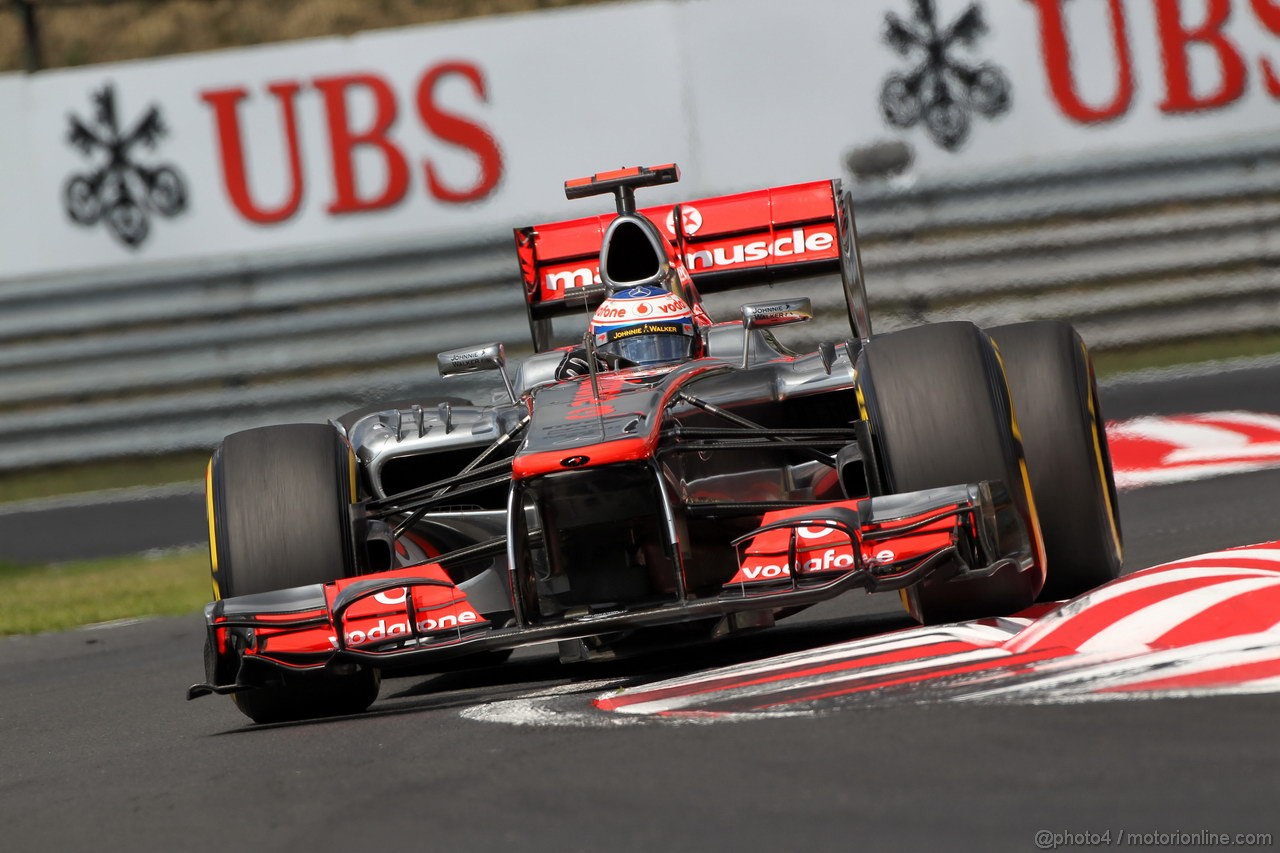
614 502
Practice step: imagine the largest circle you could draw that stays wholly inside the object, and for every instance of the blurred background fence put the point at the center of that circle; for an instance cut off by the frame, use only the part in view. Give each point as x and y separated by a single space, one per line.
1152 246
1133 250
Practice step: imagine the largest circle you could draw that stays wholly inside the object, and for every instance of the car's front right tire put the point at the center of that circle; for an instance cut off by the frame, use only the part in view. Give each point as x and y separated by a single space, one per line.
937 406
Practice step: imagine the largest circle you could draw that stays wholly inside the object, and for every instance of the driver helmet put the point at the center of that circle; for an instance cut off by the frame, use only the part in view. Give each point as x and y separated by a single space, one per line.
644 326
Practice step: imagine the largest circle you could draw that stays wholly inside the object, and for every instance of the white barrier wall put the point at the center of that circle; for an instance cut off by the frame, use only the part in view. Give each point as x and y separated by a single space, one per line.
465 128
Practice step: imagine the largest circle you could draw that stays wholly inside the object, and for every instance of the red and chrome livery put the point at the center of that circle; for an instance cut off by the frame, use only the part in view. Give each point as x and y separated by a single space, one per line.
613 509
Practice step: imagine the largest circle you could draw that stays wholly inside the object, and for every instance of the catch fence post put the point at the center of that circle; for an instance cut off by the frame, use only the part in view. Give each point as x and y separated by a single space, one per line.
30 34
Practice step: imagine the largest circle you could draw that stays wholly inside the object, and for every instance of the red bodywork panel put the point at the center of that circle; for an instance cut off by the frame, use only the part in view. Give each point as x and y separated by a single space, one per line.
726 241
439 612
825 549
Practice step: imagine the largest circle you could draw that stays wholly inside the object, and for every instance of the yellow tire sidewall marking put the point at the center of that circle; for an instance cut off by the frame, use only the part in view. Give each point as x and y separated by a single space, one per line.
1097 457
213 537
1022 467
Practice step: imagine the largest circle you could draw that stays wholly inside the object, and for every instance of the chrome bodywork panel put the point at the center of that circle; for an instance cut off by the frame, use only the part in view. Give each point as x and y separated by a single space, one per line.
383 436
774 376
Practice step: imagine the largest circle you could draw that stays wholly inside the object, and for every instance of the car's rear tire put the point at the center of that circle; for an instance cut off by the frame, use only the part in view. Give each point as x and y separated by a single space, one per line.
938 409
277 502
1056 397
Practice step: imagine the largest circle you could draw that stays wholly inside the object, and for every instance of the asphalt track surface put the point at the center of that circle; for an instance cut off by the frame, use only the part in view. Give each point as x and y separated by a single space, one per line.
109 524
101 752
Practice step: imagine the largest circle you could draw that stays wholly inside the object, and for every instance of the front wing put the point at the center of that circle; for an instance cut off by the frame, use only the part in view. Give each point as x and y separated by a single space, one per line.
408 616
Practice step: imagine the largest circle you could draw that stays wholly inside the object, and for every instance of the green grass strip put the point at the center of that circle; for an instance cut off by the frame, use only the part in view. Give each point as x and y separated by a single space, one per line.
1112 362
94 476
38 598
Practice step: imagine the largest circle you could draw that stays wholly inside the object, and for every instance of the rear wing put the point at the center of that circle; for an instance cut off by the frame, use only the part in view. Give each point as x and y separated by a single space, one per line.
726 242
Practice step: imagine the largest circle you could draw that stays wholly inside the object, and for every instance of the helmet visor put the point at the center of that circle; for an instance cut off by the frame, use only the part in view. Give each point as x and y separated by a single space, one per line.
642 349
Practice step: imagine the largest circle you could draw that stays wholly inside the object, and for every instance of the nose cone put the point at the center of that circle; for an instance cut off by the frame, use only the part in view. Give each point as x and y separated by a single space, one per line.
633 254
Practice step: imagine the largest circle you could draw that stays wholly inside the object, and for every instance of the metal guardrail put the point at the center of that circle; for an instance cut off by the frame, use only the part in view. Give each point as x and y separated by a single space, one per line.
1133 250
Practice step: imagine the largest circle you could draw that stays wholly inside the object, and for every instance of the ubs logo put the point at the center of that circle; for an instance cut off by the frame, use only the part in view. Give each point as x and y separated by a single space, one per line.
942 90
121 189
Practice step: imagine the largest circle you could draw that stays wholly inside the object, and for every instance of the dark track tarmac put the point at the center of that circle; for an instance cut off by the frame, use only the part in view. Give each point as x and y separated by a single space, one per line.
100 750
108 525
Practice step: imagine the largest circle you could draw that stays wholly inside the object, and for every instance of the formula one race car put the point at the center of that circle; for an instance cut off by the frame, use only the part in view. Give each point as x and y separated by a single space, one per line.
671 479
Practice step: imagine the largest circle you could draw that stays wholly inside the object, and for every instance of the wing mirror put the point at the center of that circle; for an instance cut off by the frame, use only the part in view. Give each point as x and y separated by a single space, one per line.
766 315
458 362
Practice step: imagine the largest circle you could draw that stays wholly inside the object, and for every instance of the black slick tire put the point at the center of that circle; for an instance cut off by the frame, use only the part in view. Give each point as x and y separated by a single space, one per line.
938 409
277 501
1056 397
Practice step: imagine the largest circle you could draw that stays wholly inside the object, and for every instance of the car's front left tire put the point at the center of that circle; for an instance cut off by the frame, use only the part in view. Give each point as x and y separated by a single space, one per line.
278 501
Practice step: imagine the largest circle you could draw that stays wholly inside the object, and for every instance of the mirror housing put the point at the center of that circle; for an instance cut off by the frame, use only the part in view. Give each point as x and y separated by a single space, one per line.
476 359
769 314
776 312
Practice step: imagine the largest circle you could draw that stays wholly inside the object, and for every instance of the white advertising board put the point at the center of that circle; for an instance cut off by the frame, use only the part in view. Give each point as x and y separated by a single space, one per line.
397 134
997 84
466 128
